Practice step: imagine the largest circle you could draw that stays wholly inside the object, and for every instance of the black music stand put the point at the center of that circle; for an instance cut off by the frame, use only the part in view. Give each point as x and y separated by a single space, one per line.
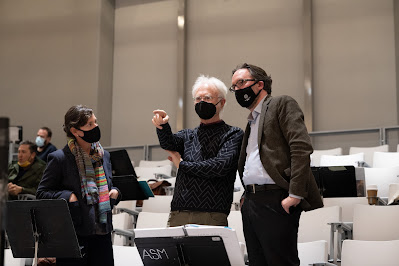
336 181
41 228
182 251
130 188
124 176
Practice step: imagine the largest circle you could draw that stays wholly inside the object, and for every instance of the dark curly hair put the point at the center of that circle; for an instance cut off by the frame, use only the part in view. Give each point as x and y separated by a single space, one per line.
77 116
258 74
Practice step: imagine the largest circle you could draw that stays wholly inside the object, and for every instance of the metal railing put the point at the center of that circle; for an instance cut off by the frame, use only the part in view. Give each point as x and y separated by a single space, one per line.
146 152
352 137
386 130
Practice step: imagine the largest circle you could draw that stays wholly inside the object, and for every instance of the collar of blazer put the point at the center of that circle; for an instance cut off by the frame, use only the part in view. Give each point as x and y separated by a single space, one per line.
265 107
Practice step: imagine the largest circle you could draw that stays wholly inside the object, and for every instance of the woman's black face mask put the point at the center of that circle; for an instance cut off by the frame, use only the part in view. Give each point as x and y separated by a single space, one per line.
92 135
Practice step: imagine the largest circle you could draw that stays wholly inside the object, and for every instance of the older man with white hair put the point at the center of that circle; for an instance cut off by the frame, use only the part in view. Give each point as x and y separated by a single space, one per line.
206 158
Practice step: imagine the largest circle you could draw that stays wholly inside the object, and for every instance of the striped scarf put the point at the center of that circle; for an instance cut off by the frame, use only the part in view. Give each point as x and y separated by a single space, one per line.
92 177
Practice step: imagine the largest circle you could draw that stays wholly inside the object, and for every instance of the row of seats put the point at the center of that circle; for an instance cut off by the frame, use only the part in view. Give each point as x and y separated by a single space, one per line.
151 169
370 223
378 157
314 243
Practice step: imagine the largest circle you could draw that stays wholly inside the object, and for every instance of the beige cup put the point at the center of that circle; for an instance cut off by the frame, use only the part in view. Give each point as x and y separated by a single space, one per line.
372 191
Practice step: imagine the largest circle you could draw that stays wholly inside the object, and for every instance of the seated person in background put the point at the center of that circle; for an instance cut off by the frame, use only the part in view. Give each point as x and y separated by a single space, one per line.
24 175
206 158
44 147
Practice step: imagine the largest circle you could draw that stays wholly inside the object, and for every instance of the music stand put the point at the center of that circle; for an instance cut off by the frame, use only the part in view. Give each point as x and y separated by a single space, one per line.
41 228
121 163
336 181
192 245
124 176
130 188
179 251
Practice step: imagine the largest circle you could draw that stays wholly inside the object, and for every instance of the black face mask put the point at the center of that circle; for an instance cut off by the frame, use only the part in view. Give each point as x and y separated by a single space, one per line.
205 110
92 135
246 96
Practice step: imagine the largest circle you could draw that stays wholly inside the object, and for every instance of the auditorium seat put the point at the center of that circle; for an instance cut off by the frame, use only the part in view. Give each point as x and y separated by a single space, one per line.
381 177
313 225
147 220
121 221
393 194
235 221
159 203
370 253
347 205
386 159
145 173
128 206
145 163
235 205
315 156
374 223
152 220
9 259
340 160
313 252
368 152
126 256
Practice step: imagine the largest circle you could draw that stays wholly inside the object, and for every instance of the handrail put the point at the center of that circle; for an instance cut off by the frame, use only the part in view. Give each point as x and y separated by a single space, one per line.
381 131
385 129
146 149
344 131
124 147
383 139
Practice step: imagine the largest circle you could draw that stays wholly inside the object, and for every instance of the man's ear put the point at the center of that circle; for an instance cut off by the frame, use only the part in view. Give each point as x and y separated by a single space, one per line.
222 102
261 84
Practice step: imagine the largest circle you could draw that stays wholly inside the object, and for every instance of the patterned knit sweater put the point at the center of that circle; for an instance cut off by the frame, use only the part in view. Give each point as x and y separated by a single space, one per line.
205 178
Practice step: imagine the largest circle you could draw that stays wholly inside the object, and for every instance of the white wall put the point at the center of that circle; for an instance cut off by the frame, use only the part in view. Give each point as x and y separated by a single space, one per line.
354 64
217 40
354 70
144 69
222 34
56 53
354 67
49 54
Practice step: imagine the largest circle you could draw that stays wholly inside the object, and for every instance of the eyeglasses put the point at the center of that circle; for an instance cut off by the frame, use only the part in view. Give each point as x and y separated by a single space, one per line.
206 98
239 84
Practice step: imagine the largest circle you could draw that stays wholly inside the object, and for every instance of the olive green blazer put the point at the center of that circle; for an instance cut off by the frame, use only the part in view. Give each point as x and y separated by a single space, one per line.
284 149
30 180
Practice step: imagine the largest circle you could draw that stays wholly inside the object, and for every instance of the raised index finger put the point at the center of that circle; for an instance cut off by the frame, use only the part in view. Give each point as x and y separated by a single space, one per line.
161 113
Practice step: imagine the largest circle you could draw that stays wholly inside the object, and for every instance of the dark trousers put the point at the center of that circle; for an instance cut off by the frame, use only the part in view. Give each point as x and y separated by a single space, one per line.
96 250
271 234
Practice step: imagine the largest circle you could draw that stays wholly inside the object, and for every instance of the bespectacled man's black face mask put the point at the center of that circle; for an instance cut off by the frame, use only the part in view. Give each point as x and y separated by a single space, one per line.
246 96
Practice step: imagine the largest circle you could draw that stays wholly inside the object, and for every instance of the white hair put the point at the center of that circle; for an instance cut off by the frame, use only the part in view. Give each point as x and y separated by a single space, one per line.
216 83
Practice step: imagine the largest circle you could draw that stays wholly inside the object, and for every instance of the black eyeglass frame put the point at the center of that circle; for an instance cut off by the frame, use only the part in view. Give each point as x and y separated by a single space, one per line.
232 88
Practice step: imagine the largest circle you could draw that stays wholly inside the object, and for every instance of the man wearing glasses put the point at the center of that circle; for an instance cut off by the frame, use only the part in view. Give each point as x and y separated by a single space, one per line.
206 158
274 167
